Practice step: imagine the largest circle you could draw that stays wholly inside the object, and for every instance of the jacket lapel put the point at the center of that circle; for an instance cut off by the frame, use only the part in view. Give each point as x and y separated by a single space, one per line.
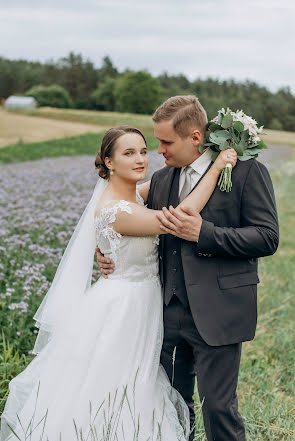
166 187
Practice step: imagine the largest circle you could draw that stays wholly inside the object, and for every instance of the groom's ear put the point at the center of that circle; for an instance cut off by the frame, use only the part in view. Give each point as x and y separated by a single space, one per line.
196 137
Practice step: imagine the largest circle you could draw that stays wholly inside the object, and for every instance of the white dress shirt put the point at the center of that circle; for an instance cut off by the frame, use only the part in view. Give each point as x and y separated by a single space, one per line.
199 166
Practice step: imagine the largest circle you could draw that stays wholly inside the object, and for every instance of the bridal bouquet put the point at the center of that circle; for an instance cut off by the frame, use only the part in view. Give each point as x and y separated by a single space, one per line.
233 130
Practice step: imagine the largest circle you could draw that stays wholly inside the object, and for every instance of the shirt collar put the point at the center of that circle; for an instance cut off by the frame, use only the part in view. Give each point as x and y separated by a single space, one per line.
201 164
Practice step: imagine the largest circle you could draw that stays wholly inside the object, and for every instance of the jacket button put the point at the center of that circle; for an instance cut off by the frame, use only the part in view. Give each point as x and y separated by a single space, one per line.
174 252
160 257
174 269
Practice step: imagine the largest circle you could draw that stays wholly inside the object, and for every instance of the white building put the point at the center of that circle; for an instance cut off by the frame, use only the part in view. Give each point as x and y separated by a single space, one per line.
20 102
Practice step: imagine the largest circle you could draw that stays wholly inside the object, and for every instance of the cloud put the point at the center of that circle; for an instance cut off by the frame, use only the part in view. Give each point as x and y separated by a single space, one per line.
220 39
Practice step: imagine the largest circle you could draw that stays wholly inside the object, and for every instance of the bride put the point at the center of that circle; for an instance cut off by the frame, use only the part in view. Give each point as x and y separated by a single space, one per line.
97 374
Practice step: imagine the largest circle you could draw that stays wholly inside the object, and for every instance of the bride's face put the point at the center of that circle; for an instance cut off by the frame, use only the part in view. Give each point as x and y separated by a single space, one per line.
130 160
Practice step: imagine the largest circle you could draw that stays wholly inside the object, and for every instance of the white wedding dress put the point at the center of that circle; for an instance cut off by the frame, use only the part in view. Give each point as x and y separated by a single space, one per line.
99 378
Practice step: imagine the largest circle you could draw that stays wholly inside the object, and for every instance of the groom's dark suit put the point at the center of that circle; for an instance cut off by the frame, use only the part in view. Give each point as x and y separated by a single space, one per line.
210 289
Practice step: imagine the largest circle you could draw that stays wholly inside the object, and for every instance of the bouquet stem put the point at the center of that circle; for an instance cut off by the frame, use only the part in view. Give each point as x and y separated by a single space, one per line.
224 182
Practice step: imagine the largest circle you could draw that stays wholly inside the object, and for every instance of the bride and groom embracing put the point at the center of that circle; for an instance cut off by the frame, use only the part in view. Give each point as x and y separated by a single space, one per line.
107 368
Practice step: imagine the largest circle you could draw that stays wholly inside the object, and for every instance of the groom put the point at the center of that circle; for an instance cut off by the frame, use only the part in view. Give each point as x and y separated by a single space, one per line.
208 265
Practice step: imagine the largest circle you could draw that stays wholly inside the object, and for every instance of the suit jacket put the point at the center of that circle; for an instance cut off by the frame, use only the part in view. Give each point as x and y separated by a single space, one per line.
220 270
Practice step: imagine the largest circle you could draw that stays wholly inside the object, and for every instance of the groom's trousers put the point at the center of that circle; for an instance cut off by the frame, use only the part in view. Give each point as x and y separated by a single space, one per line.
216 369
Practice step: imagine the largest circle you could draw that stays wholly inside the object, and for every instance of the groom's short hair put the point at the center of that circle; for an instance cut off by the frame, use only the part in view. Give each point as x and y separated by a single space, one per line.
185 111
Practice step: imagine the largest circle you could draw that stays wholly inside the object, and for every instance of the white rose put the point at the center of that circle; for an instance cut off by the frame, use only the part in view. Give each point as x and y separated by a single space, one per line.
255 139
253 132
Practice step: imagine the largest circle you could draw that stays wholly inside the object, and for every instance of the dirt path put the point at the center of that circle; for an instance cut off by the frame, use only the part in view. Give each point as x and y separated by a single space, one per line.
14 127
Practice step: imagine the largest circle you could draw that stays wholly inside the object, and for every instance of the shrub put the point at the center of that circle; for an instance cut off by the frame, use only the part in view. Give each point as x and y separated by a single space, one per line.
138 92
104 96
52 96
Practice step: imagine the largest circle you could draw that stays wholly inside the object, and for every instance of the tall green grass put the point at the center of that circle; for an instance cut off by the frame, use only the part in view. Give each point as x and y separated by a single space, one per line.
267 380
11 364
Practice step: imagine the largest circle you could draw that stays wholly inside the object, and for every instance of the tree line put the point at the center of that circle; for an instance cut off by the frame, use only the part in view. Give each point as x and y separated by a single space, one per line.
75 82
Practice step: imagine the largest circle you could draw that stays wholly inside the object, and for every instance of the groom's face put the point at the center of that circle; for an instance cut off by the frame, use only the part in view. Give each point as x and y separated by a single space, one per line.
177 151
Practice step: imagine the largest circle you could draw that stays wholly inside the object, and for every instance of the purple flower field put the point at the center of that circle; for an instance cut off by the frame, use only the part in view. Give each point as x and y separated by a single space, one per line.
41 203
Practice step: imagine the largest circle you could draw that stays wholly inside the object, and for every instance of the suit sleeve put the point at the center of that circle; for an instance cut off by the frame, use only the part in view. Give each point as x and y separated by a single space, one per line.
258 234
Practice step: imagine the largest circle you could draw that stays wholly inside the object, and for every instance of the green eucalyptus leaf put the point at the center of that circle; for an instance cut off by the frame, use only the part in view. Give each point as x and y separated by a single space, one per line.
243 145
239 149
201 148
213 126
238 126
227 121
222 133
207 134
244 157
248 155
253 151
216 139
220 118
262 145
245 136
224 145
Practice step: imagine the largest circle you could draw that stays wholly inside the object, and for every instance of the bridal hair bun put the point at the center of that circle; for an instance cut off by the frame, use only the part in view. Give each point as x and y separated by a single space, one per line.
103 171
108 146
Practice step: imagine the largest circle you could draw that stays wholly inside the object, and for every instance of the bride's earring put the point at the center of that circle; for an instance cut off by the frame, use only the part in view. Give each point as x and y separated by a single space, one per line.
111 172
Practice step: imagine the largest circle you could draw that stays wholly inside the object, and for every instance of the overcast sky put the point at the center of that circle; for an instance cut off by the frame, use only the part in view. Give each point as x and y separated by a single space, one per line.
249 39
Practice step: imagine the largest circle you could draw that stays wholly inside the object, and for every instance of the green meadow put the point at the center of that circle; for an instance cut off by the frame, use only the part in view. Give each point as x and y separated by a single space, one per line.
267 385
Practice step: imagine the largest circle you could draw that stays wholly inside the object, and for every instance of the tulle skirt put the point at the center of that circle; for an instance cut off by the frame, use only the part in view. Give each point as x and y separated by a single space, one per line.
99 378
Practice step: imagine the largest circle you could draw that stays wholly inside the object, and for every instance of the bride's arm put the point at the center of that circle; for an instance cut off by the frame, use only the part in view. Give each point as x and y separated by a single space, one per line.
144 222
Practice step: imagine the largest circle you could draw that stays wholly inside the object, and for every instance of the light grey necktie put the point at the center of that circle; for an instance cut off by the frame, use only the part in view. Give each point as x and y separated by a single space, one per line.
187 186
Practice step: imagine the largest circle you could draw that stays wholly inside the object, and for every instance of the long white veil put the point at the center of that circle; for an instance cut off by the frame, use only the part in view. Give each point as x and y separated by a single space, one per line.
73 275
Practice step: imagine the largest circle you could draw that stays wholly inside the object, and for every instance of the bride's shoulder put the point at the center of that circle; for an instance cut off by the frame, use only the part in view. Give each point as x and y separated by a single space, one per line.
110 207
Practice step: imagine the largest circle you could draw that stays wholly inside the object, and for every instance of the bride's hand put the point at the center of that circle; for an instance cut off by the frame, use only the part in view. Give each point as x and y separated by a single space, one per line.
228 156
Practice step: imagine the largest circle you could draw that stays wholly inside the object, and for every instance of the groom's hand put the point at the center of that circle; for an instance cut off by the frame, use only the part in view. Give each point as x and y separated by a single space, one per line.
105 265
184 223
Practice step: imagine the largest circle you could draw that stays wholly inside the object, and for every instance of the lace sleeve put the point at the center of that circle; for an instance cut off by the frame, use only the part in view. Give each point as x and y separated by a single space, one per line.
104 220
139 197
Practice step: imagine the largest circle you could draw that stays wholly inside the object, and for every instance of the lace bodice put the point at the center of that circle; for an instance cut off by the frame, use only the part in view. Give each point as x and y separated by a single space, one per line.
135 258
